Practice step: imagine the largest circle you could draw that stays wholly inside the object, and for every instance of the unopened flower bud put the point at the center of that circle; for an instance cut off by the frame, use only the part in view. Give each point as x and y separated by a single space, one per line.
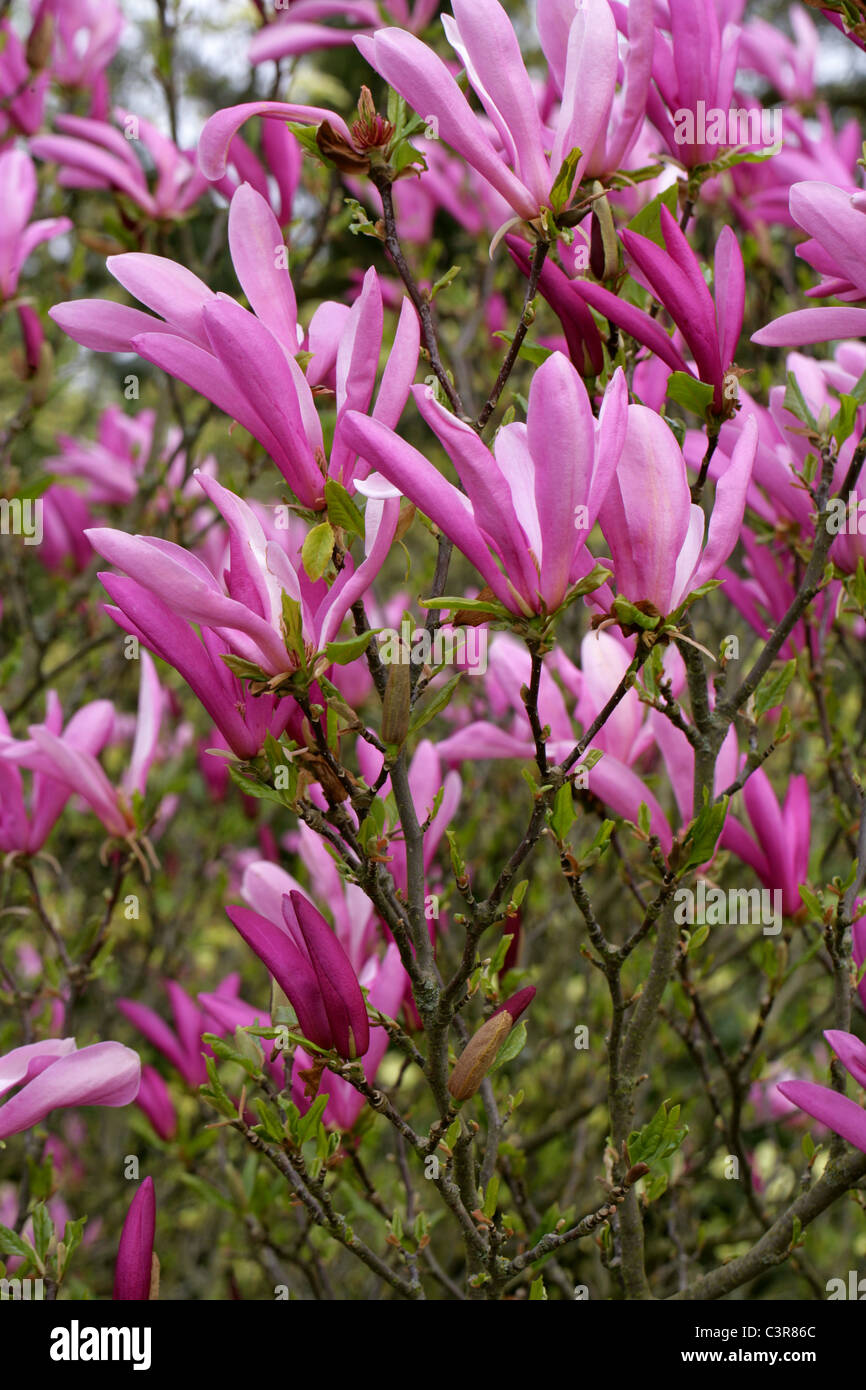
481 1051
334 148
396 704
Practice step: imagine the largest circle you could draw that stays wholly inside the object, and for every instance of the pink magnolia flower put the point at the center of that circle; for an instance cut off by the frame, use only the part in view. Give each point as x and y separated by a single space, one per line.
19 237
154 1099
311 967
107 472
580 44
582 337
711 327
835 222
25 827
787 64
86 34
22 91
529 506
697 63
167 589
382 977
626 739
654 530
95 154
812 148
780 852
844 1116
65 758
183 1047
304 27
218 348
133 1268
52 1075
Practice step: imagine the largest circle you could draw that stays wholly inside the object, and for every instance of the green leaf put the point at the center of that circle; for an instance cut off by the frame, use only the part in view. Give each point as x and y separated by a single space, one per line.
435 706
471 605
293 627
562 817
244 670
659 1138
491 1196
697 938
842 424
445 280
72 1236
43 1230
537 1291
648 221
511 1048
317 550
704 832
771 691
341 509
560 193
344 652
12 1244
690 393
306 138
309 1122
795 401
259 790
627 613
227 1053
532 352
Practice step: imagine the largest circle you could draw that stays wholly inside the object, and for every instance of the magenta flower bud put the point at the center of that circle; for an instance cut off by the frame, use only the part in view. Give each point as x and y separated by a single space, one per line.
154 1098
517 1004
311 967
482 1049
133 1270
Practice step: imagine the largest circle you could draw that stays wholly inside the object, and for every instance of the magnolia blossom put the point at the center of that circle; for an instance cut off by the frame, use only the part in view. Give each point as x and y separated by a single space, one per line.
183 1047
311 967
19 237
85 34
580 44
381 976
245 360
304 27
95 154
132 1271
711 327
836 224
654 530
166 588
22 91
787 63
626 739
529 506
844 1116
26 826
67 758
51 1075
694 69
